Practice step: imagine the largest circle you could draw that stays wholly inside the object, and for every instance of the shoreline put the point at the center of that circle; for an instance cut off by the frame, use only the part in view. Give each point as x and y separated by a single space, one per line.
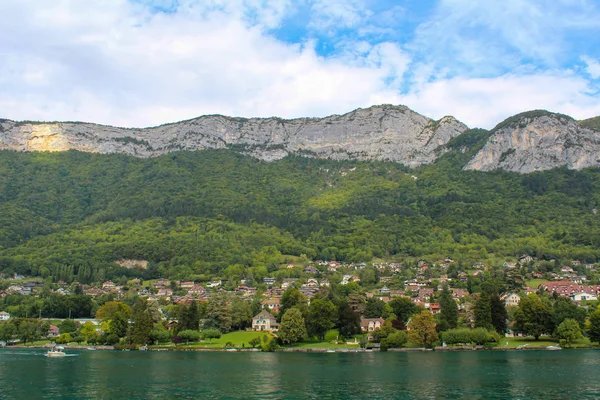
305 349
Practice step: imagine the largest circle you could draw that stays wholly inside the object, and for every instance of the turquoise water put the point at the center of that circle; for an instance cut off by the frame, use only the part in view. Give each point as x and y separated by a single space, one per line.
182 375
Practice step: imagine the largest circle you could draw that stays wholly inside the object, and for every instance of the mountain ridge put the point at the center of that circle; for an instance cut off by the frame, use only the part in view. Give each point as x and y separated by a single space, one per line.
531 141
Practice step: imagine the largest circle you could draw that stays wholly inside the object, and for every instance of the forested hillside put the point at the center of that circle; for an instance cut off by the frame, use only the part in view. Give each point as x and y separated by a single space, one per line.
70 215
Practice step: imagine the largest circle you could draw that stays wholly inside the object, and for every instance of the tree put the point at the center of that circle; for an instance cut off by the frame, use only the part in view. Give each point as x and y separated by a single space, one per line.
118 324
7 331
569 331
211 334
190 335
142 323
348 321
241 314
593 329
189 317
499 315
67 326
564 308
421 329
483 311
64 338
403 308
448 318
533 317
219 311
88 330
394 340
293 298
292 328
374 308
158 335
110 308
322 316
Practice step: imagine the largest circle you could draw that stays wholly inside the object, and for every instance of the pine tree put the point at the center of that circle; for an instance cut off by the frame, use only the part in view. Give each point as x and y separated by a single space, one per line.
483 312
448 318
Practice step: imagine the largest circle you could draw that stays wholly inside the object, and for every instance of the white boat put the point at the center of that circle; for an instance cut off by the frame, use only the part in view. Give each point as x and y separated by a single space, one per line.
553 348
56 352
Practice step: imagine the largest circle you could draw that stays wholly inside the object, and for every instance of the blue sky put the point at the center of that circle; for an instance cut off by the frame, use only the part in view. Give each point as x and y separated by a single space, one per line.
147 62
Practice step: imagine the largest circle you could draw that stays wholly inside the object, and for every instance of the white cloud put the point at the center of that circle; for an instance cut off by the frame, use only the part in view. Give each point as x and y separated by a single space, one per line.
127 68
121 63
484 102
490 35
593 67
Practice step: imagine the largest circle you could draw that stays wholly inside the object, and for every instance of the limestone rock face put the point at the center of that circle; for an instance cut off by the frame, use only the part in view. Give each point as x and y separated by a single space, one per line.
539 142
386 132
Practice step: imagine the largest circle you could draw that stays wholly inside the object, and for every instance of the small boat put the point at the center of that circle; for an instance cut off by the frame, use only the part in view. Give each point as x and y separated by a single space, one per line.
56 352
553 348
330 351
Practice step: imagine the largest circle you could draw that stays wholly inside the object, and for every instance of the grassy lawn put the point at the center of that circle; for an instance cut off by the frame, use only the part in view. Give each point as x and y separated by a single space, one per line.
514 342
238 338
534 283
329 342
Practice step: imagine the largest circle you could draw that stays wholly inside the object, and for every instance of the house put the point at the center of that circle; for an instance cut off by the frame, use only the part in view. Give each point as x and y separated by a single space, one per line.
384 290
4 316
53 331
197 290
186 285
435 308
583 296
311 269
370 324
164 293
290 266
269 281
312 282
511 299
272 303
161 283
94 292
324 282
525 258
214 284
108 285
264 321
566 269
287 282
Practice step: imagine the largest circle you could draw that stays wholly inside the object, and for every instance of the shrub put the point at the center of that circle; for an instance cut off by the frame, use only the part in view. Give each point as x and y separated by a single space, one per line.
394 340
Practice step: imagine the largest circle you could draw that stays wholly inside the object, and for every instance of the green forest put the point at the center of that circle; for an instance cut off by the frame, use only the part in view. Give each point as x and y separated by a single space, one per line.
214 213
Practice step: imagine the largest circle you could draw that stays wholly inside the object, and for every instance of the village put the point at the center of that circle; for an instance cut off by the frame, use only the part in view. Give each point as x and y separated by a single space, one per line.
377 283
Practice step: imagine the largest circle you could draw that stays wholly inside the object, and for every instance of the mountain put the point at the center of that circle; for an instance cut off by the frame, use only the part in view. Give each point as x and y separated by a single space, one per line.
532 141
536 141
386 132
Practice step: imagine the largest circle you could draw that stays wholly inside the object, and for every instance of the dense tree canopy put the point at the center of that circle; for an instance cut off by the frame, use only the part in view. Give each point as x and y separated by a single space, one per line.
71 215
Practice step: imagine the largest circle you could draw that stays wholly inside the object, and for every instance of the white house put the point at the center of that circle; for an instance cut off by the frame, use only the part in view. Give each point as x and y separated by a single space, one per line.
512 299
583 296
4 316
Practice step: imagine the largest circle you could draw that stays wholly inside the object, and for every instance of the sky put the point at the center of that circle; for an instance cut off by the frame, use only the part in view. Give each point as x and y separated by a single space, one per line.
139 63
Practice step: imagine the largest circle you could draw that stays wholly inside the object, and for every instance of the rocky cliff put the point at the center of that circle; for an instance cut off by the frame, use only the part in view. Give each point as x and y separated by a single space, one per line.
386 132
537 141
532 141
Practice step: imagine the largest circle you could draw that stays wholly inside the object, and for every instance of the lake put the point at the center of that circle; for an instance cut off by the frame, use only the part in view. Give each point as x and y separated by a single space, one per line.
27 374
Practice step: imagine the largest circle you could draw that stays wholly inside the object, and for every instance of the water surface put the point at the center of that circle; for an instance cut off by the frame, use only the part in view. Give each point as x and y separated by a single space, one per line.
27 374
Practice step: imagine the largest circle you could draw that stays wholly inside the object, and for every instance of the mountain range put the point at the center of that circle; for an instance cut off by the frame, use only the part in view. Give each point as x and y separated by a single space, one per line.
528 142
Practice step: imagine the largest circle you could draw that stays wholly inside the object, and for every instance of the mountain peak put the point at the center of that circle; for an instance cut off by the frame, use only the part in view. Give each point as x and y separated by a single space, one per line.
538 140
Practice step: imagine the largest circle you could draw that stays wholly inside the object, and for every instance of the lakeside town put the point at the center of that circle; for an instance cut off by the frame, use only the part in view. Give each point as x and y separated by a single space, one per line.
339 305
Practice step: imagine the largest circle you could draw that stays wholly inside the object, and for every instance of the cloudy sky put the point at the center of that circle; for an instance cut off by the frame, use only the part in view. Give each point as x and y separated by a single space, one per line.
147 62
